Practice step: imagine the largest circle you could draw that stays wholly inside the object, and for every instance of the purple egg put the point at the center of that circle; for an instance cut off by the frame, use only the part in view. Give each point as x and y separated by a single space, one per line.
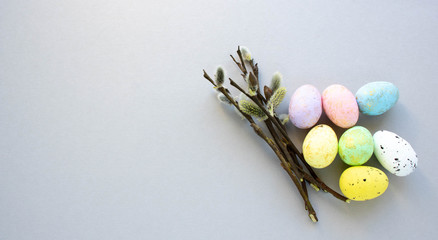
305 107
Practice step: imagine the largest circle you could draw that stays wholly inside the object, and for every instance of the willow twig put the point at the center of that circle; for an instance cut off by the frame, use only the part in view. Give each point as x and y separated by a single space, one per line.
268 122
290 157
271 143
291 146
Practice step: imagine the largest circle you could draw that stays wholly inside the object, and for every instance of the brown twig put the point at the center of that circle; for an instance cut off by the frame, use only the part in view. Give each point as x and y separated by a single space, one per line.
271 143
283 149
290 157
241 60
282 130
292 147
309 208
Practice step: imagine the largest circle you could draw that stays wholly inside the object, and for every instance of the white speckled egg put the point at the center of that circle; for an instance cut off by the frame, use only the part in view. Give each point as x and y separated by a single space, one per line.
394 153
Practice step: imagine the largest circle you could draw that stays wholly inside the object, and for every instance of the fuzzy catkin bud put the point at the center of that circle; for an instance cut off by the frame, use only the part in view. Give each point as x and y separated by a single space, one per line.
253 84
219 76
276 81
268 92
246 54
276 99
223 99
252 109
284 118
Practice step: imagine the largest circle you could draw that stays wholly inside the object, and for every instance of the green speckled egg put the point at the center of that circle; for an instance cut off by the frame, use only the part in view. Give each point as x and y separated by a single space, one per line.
360 183
356 146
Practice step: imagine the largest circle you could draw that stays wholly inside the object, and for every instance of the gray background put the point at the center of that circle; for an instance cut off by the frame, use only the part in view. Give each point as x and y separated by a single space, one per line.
109 131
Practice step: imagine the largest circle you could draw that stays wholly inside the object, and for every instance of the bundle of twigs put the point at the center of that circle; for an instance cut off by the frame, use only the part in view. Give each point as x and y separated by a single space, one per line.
253 104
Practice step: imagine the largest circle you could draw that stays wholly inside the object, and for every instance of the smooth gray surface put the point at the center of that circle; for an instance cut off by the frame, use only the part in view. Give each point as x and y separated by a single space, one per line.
109 131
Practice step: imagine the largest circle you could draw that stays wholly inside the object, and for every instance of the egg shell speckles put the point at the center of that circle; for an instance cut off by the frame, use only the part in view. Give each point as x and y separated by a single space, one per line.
340 106
356 146
305 107
375 98
360 183
320 146
394 153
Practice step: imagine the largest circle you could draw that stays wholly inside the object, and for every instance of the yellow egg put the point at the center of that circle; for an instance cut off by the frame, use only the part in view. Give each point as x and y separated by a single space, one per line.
362 183
320 146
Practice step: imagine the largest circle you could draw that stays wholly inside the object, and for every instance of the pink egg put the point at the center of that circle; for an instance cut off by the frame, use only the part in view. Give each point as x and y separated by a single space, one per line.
305 107
340 106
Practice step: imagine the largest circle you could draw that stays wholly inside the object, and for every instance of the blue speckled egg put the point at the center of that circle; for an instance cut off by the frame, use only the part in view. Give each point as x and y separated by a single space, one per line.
375 98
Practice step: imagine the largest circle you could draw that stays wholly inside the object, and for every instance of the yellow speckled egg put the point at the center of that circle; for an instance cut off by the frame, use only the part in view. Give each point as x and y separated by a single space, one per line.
362 183
320 146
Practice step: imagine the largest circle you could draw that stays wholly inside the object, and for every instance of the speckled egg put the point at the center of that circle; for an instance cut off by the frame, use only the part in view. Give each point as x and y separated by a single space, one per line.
356 146
375 98
320 146
340 106
305 107
394 153
360 183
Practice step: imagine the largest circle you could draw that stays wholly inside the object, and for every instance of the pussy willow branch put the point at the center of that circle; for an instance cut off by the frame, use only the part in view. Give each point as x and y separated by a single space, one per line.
291 163
309 207
289 166
289 145
293 172
271 143
292 147
262 107
289 156
295 151
285 153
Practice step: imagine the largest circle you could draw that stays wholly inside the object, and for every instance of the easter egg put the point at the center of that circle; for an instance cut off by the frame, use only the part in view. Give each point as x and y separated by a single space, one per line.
360 183
394 153
340 106
305 107
320 146
376 98
356 146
